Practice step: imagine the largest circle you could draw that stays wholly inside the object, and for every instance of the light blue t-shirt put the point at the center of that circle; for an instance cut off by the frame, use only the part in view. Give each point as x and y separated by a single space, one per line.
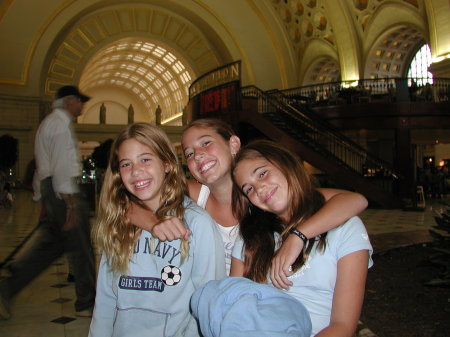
152 298
314 282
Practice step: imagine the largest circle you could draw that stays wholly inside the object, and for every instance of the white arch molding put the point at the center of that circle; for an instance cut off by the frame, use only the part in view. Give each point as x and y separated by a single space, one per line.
149 53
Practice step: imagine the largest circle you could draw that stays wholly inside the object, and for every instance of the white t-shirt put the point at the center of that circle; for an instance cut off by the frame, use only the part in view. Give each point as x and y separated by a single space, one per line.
314 282
228 233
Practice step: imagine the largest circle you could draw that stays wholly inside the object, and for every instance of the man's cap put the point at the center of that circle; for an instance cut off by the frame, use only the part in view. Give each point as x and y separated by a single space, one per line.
70 90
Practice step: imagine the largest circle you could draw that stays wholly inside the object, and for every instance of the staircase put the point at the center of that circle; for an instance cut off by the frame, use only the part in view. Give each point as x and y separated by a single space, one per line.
316 142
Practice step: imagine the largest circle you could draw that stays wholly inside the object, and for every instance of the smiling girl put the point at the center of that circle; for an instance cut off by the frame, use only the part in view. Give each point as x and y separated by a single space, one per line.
144 285
209 147
273 194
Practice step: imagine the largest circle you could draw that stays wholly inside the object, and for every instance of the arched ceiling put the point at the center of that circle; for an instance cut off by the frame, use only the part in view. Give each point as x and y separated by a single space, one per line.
323 71
393 53
201 42
155 75
306 21
152 53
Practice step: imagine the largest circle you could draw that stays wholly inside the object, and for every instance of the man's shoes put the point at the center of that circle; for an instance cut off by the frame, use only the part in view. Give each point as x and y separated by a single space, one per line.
84 313
4 300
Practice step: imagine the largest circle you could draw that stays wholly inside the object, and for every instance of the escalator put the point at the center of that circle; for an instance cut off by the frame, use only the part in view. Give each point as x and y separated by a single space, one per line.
316 142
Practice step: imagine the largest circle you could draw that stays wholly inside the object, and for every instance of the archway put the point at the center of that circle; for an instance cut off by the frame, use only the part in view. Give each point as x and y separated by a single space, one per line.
140 73
148 54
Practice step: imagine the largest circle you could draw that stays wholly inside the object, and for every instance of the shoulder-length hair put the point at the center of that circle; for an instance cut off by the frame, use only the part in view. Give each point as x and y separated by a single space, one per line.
113 233
258 229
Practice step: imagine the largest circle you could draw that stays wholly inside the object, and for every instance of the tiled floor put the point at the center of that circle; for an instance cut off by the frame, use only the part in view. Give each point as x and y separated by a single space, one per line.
395 228
45 307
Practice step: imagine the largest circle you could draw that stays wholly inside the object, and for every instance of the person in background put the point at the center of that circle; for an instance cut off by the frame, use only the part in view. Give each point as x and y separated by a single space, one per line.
66 228
209 147
272 195
144 285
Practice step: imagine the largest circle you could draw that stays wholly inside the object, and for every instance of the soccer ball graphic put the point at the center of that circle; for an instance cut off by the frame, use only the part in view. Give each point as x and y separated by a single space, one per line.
171 275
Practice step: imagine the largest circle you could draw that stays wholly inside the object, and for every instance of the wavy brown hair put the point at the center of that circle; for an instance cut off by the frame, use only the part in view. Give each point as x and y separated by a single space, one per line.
113 233
258 227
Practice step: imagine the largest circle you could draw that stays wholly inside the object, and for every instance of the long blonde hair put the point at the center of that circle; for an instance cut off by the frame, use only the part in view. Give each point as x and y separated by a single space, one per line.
113 233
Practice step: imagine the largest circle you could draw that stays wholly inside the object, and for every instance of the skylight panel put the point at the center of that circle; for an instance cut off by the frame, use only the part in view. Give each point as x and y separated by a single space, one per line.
167 76
159 51
159 68
141 70
158 84
169 58
150 76
149 62
138 58
177 95
173 85
143 83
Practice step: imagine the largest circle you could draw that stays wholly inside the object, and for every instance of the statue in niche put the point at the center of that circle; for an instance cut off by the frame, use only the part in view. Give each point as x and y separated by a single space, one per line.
184 116
130 114
158 115
102 113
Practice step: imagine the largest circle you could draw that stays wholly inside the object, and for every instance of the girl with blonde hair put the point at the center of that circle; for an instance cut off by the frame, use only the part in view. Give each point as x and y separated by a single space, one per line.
144 285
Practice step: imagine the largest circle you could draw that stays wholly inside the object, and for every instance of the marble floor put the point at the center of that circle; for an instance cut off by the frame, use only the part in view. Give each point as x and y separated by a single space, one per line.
45 307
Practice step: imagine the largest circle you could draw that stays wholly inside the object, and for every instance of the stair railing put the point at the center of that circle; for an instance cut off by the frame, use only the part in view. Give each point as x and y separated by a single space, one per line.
317 133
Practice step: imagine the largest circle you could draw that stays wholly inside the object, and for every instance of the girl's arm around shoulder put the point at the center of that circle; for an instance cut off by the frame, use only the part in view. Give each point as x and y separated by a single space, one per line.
348 295
165 230
340 206
205 245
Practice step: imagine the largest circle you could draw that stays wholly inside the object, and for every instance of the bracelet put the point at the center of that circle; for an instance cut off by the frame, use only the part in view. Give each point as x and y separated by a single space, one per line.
302 236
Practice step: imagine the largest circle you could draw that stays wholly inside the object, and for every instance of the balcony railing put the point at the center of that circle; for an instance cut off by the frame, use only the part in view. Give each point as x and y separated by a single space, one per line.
372 91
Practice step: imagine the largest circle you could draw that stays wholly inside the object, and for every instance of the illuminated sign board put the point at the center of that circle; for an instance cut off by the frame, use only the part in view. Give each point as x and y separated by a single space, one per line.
216 91
217 77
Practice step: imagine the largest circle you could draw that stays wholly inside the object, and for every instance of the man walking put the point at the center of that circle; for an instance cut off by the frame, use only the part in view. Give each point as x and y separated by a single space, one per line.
66 227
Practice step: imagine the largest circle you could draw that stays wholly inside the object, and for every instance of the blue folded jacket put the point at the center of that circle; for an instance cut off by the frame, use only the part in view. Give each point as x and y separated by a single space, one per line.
236 306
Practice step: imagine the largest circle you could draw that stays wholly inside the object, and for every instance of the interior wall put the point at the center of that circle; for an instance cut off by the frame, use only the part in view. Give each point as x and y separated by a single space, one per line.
116 102
440 152
19 118
235 29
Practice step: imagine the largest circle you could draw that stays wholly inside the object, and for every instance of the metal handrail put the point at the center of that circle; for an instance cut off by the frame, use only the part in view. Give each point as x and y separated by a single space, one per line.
378 89
336 145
